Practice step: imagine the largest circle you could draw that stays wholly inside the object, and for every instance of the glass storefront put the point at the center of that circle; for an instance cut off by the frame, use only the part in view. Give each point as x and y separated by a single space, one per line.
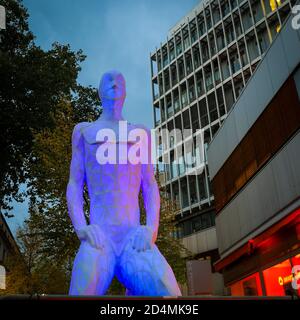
282 279
277 279
249 286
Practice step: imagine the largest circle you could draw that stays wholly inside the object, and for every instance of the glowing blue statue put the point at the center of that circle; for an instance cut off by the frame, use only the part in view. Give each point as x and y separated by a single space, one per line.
114 243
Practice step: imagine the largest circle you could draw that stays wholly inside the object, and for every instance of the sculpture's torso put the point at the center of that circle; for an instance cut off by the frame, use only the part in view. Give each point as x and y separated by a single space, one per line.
113 188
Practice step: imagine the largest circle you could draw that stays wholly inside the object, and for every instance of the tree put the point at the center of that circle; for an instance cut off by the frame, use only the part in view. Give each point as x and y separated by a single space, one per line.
30 272
33 82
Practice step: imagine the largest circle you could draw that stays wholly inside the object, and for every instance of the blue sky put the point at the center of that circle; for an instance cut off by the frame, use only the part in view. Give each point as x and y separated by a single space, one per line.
114 34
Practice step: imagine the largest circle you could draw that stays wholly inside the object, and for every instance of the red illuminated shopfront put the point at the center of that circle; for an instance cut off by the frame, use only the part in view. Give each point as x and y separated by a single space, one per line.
268 264
282 279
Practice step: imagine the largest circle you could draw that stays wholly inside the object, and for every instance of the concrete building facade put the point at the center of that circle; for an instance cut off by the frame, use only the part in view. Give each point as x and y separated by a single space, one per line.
254 167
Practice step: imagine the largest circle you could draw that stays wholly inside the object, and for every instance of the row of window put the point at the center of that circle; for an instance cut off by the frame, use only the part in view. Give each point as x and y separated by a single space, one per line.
212 74
189 191
198 223
210 108
247 49
231 28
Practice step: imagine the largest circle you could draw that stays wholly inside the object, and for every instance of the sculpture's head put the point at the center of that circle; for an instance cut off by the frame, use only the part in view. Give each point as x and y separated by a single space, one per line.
112 86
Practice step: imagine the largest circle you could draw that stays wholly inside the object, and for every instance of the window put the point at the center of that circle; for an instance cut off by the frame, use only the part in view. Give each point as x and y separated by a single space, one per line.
225 8
257 11
193 190
201 25
216 12
243 54
202 186
193 33
212 44
252 47
172 53
229 96
196 54
229 33
170 109
220 39
212 105
204 49
263 40
199 83
216 72
157 115
208 78
195 117
186 42
184 100
176 100
181 69
249 286
277 279
178 46
163 110
165 60
233 3
184 192
221 102
234 62
224 66
181 165
208 18
237 25
186 120
203 113
246 18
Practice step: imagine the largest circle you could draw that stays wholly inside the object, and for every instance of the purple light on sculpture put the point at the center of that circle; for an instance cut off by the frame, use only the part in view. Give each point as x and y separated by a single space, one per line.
114 243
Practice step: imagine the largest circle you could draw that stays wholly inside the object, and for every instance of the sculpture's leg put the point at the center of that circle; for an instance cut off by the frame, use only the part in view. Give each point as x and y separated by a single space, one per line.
146 273
93 270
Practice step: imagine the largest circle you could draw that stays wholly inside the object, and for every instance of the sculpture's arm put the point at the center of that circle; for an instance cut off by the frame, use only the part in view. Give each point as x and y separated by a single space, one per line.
76 181
150 192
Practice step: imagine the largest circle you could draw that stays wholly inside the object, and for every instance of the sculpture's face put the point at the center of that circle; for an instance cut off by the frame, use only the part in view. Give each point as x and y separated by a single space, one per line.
112 86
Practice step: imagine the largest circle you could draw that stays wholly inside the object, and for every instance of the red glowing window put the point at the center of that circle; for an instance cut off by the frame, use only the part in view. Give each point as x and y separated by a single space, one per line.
249 286
278 279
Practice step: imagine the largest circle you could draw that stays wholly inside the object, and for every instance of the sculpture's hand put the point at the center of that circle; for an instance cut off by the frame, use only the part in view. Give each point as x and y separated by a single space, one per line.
93 234
142 239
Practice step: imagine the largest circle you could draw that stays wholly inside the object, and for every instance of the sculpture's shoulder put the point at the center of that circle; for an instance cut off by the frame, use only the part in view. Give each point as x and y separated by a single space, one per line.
80 126
77 131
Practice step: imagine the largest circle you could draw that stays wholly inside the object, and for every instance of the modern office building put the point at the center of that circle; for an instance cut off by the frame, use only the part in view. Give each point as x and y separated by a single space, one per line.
254 166
197 75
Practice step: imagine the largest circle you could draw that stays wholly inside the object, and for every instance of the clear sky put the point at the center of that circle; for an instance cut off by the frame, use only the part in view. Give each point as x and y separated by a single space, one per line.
113 34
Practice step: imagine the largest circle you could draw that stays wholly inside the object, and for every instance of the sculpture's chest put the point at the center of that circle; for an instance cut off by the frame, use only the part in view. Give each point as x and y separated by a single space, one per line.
113 146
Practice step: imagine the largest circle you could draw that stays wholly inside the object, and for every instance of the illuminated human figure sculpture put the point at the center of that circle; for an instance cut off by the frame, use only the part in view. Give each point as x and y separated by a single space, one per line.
114 243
